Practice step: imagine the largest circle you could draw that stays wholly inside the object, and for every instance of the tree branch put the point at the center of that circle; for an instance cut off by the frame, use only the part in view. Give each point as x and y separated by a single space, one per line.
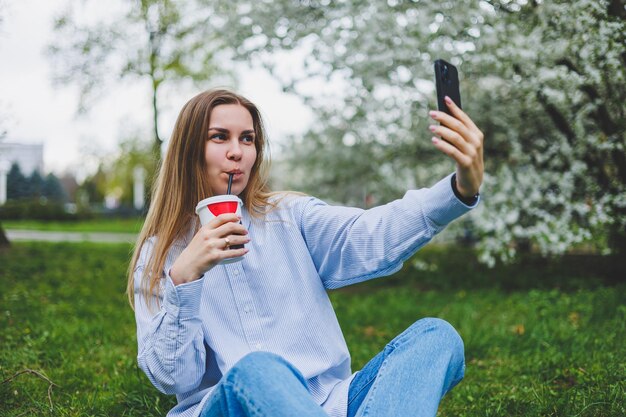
557 118
38 374
567 63
617 9
560 122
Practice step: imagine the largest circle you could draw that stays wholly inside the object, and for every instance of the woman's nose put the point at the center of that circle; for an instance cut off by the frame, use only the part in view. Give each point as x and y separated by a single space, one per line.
234 150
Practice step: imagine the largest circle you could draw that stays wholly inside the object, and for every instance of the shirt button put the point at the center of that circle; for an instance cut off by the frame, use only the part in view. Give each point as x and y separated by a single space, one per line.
247 309
258 346
236 272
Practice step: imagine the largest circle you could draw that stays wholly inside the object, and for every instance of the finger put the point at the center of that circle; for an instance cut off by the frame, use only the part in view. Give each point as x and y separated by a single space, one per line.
234 240
456 125
231 253
222 219
229 228
452 151
462 116
452 137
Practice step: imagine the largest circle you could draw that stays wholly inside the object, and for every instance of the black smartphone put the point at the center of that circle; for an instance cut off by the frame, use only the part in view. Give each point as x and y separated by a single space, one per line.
447 82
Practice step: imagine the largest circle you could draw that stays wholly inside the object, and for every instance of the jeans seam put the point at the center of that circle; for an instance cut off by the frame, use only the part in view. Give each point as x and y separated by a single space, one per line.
371 380
374 386
241 395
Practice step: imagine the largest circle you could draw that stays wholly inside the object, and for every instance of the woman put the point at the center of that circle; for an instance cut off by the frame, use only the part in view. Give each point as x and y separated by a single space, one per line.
259 337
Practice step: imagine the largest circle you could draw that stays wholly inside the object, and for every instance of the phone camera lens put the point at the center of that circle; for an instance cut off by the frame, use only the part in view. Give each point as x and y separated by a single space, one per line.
444 73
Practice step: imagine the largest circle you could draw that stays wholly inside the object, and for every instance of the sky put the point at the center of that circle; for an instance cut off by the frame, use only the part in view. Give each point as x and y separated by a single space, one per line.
33 110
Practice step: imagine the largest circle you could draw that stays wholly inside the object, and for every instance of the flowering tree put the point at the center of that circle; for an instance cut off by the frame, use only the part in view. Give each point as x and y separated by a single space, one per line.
561 126
544 81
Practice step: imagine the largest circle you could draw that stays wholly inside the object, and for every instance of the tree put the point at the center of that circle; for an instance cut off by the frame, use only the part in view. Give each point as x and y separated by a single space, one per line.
563 179
131 153
52 189
18 186
4 241
374 60
543 80
93 188
35 185
162 41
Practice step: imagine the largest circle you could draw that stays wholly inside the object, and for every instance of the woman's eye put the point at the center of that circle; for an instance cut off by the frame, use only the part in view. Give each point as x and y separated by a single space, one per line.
218 136
248 139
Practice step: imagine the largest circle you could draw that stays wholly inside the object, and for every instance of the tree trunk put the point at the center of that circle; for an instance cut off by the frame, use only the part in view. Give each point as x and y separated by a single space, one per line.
4 241
155 119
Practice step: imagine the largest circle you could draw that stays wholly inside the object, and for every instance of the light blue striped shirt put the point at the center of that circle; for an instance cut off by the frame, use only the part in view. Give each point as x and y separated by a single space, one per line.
275 299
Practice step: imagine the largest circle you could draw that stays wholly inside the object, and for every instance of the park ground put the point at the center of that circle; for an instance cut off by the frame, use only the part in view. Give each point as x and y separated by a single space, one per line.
542 338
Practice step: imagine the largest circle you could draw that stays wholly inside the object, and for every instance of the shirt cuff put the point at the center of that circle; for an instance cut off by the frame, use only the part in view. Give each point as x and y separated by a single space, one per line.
183 301
468 201
441 205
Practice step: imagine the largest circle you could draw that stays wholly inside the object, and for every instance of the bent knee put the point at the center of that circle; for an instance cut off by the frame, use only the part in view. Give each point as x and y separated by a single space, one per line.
444 330
442 334
257 365
260 360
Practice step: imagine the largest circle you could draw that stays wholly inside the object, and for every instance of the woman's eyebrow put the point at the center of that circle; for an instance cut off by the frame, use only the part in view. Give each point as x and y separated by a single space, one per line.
221 129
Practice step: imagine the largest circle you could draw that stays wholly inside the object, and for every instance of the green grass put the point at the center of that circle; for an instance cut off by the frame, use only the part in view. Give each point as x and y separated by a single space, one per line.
130 225
542 339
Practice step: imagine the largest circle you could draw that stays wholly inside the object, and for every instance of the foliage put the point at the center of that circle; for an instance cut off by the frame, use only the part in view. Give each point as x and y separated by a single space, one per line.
533 351
115 174
38 209
563 179
131 154
543 80
163 41
20 187
93 188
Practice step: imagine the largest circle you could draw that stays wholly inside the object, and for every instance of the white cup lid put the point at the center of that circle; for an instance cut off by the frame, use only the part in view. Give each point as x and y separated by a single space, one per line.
217 199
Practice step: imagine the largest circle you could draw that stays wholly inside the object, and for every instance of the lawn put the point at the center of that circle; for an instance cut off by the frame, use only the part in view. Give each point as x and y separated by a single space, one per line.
114 225
542 338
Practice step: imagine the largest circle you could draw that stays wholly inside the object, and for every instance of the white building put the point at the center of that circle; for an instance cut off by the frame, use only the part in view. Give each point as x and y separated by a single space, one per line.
29 157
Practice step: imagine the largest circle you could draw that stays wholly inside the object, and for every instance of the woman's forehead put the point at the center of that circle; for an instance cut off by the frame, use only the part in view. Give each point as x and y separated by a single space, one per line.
230 116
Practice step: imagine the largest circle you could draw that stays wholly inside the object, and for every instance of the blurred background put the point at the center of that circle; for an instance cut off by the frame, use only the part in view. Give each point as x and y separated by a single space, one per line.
91 91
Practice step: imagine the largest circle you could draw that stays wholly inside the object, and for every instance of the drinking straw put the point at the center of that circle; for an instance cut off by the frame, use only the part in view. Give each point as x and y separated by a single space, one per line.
230 182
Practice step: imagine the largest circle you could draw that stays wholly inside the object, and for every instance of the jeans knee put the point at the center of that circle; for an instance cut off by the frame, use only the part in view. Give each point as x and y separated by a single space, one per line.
444 338
256 366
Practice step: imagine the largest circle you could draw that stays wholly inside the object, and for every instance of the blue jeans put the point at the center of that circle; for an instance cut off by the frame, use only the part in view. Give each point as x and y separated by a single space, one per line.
408 378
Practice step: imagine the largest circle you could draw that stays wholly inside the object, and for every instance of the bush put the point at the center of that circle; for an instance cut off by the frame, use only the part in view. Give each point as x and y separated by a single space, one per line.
39 209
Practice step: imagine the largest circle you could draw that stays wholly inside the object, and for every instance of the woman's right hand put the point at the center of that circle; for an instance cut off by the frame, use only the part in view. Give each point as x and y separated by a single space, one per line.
210 246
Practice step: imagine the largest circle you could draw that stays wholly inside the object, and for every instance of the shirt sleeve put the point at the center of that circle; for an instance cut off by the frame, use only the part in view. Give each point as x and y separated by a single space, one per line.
350 245
170 341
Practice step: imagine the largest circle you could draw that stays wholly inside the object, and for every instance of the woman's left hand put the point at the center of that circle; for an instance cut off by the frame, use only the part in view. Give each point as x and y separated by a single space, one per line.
463 142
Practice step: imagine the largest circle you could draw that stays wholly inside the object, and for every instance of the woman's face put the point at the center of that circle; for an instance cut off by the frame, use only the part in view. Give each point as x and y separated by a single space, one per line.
230 148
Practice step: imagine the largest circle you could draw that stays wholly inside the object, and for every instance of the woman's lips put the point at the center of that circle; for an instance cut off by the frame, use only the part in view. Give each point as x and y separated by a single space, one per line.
236 174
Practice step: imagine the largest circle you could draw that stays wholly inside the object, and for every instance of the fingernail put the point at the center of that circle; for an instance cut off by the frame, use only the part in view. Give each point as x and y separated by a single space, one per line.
432 128
433 114
435 140
448 99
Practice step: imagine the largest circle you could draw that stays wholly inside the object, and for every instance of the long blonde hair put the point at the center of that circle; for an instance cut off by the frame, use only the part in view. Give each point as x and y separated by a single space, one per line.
182 182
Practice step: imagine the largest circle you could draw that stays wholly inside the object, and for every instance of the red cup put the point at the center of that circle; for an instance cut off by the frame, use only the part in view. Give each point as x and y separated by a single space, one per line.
211 207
